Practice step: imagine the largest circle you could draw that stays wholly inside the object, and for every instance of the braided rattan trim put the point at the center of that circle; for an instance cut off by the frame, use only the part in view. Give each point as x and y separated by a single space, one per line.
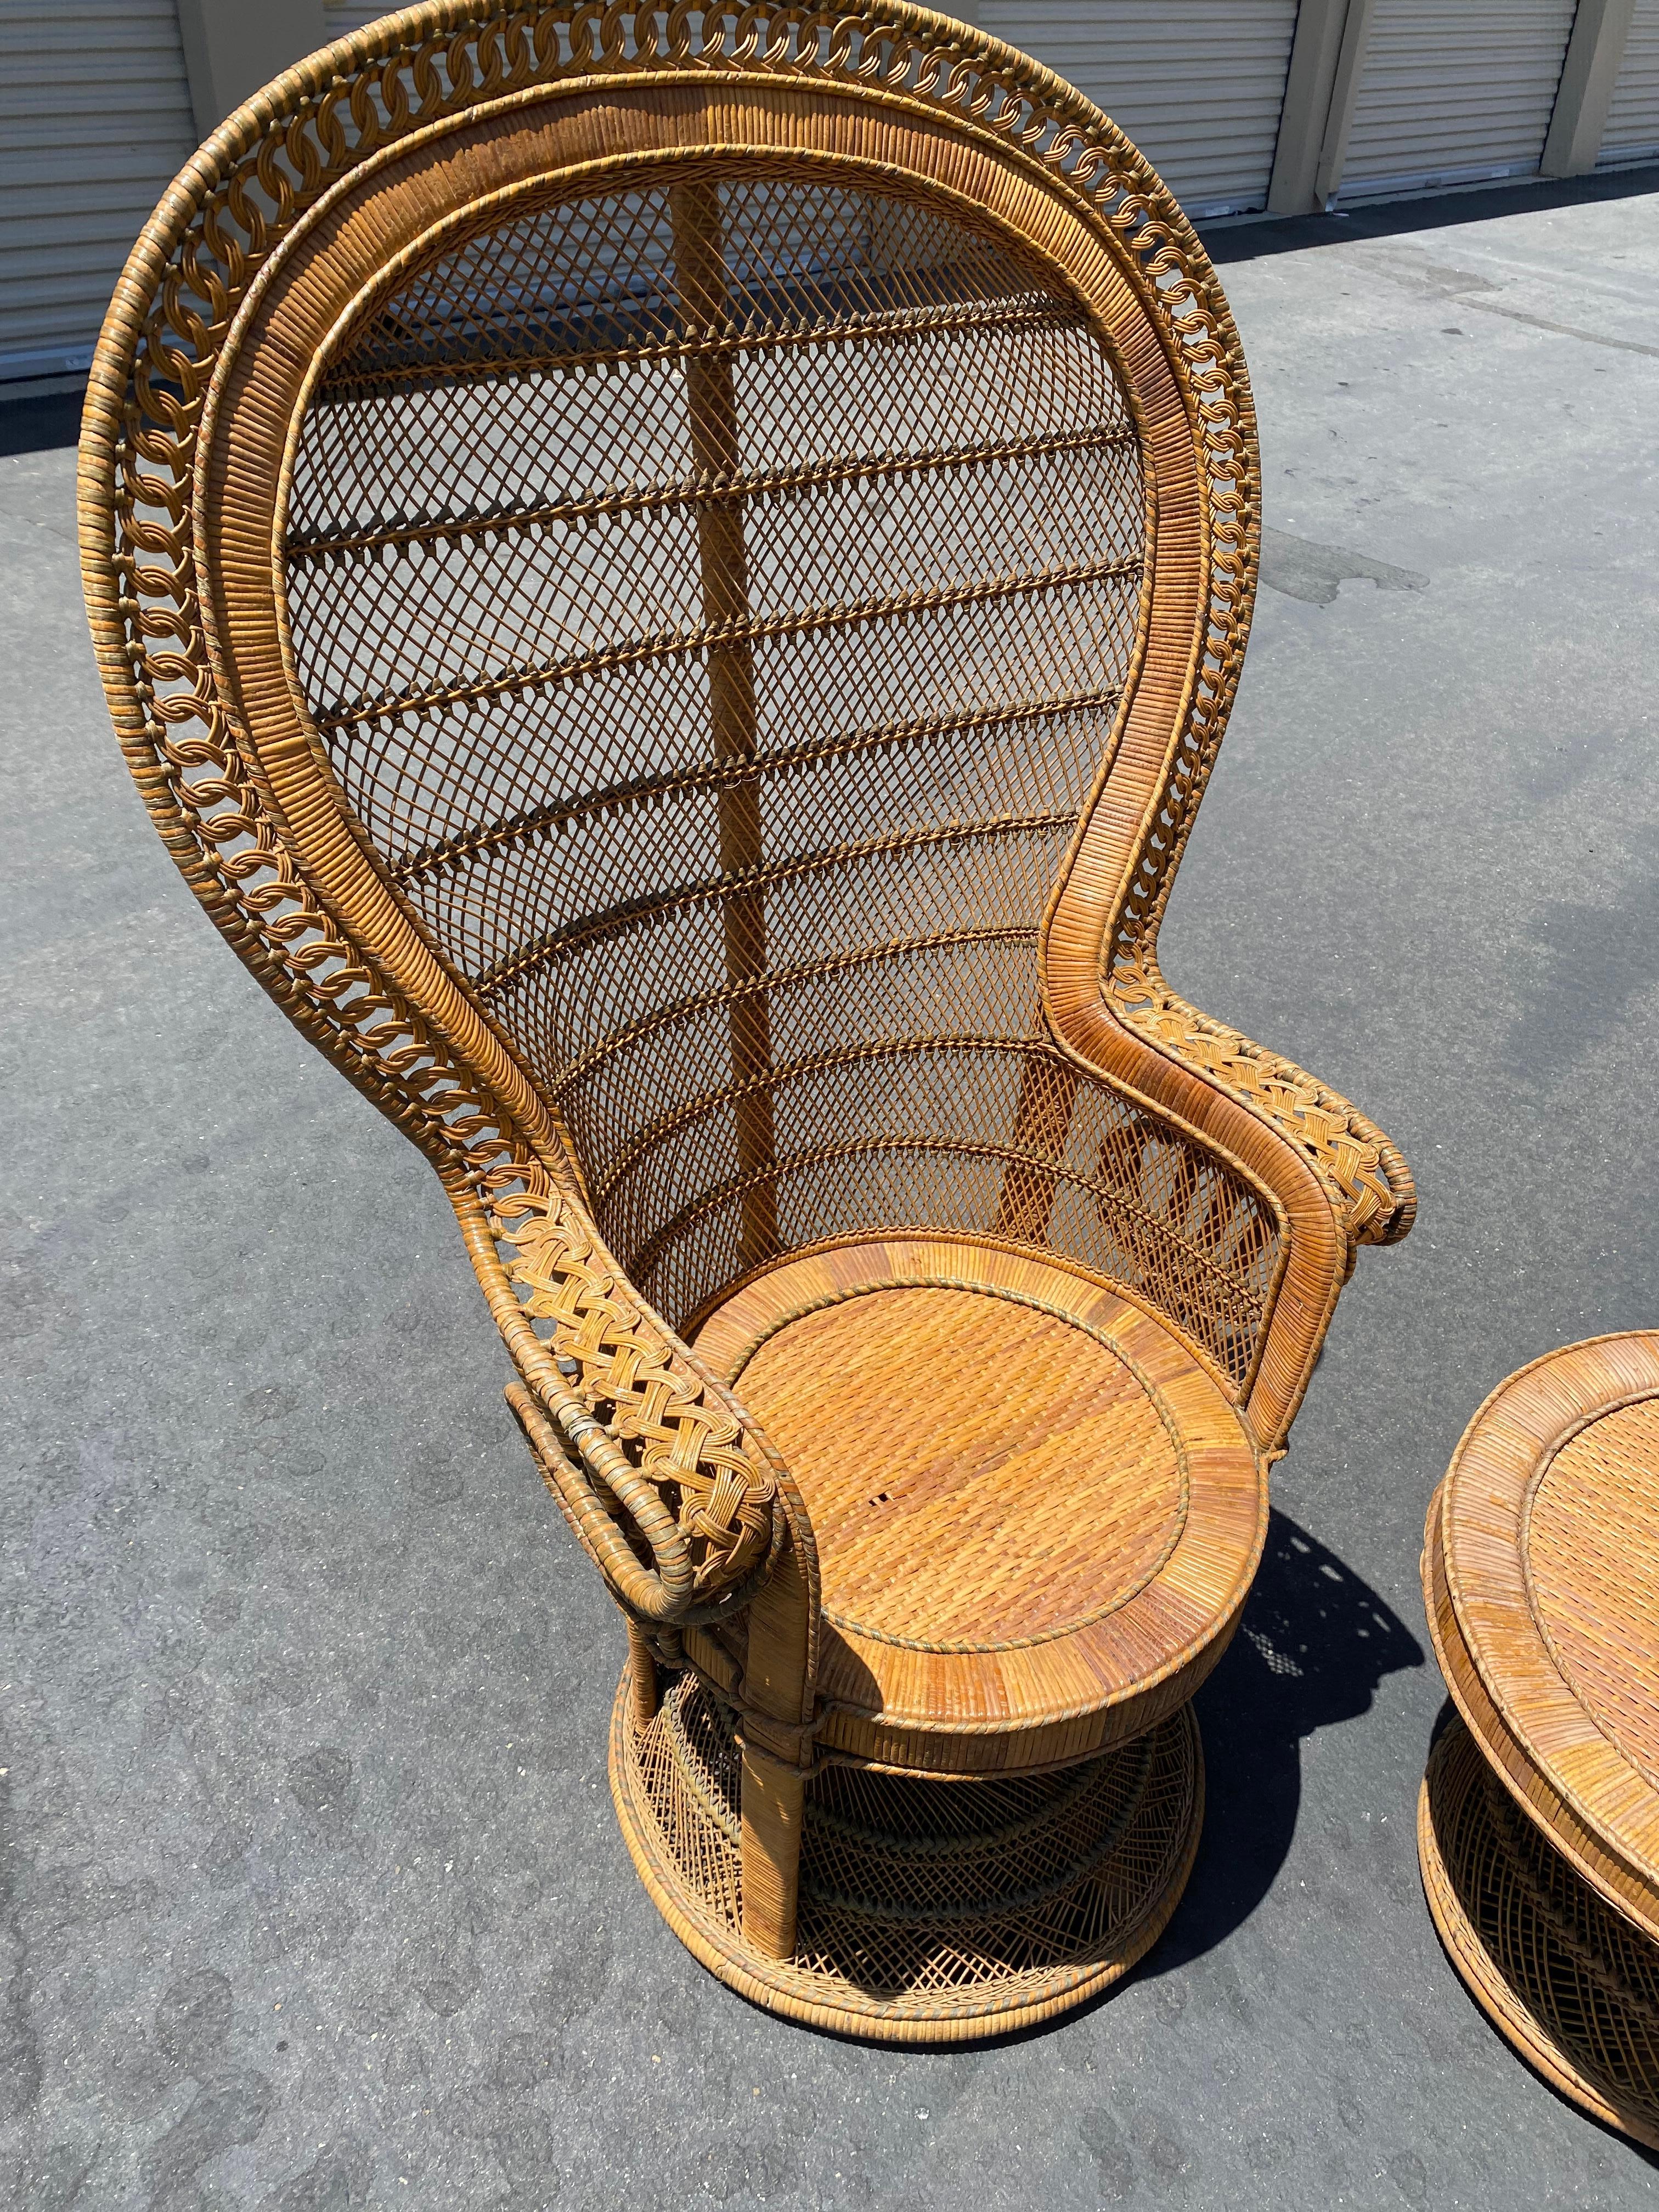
761 878
693 492
696 643
1568 1982
1372 1185
726 775
662 1412
352 380
1107 1343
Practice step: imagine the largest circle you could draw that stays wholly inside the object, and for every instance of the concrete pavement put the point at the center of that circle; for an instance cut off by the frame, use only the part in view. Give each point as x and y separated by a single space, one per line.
311 1895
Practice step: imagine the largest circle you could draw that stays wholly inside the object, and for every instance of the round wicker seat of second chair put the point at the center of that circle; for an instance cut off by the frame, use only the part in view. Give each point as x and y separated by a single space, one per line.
1538 1824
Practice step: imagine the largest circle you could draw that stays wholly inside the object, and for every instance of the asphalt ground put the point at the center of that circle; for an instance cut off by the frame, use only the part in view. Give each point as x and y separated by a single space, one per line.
311 1894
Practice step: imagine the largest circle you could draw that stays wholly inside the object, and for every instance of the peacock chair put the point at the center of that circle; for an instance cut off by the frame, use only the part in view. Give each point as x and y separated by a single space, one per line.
672 581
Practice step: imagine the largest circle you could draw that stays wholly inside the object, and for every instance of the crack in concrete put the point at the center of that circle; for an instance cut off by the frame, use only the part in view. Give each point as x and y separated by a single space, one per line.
1441 281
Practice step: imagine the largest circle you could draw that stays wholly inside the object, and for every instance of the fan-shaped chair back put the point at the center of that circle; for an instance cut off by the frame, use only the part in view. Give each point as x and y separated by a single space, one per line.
715 588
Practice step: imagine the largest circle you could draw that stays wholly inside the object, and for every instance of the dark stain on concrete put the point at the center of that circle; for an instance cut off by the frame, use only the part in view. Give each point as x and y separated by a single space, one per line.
1303 568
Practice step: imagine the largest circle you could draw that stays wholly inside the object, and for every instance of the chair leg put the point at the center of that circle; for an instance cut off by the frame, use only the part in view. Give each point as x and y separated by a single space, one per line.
641 1678
771 1795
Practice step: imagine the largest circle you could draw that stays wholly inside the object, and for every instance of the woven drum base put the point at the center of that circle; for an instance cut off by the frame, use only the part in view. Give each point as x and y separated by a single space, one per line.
930 1912
1573 1986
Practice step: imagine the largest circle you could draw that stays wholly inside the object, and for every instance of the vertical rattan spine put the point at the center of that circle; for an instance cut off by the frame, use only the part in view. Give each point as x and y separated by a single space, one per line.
778 1700
772 1794
643 1677
711 404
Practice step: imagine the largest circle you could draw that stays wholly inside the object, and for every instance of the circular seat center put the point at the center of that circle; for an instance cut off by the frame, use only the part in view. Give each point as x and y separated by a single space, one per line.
982 1472
1592 1558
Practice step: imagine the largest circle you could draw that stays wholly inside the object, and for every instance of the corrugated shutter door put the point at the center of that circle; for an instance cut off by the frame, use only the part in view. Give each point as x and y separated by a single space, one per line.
1451 94
1197 84
340 16
95 124
1632 131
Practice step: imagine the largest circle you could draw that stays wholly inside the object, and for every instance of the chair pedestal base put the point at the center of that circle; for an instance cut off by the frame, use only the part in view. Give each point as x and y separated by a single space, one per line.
1571 1985
929 1911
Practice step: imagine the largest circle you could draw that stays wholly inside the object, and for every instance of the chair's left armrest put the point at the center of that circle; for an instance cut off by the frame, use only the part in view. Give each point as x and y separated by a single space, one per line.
1371 1188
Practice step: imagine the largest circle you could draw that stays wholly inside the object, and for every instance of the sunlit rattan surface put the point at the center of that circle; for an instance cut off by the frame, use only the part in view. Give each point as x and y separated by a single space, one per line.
1540 1566
1032 1569
672 582
930 1911
1541 1812
1569 1982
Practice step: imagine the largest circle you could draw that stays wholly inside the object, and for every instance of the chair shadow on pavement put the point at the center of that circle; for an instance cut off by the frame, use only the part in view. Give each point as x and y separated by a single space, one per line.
1314 1645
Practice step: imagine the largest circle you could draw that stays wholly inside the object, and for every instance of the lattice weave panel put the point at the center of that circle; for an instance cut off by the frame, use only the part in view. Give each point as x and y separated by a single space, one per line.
716 599
1571 1983
918 1893
966 787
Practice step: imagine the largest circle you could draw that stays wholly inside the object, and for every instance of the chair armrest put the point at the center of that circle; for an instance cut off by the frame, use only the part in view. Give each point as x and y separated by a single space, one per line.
1250 1112
1371 1188
665 1481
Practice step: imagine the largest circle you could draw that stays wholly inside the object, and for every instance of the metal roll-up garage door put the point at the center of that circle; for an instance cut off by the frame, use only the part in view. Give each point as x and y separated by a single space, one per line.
340 16
1452 95
94 123
1197 84
1633 129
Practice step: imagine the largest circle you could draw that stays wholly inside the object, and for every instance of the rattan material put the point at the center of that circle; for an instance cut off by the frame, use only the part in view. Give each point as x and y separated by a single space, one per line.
1540 1565
1570 1983
1540 1562
1013 1578
672 581
929 1911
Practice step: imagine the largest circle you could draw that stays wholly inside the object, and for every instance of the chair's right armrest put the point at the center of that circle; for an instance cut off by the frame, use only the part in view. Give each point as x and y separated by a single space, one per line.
1371 1185
1311 1250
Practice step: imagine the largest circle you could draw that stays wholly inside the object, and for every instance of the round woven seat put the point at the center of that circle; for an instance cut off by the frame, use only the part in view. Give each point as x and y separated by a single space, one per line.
1036 1516
1539 1828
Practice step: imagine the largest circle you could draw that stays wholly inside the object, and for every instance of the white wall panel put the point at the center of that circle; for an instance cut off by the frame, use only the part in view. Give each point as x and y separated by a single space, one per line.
1197 84
1632 126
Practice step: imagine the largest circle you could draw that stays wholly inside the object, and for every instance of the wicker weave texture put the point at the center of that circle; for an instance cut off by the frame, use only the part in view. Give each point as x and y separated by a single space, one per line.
931 1912
1570 1984
1539 1565
1104 1453
507 628
672 581
1539 1825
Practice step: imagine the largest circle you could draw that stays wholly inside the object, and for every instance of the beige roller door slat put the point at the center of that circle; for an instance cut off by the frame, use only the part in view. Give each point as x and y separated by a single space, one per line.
1633 127
94 123
1197 84
340 16
1451 94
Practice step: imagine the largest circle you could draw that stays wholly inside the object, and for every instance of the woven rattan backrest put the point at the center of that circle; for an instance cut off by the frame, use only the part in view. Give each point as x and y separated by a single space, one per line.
685 573
742 529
